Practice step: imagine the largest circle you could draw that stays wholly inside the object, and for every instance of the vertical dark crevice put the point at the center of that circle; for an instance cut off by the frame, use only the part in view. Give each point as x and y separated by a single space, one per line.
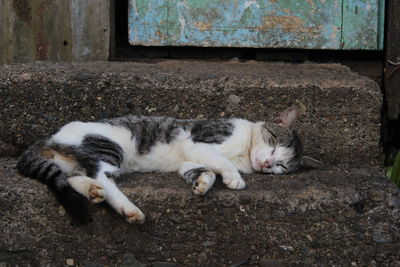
341 27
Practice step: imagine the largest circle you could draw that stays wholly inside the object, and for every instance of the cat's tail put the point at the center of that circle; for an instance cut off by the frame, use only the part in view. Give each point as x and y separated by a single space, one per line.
33 165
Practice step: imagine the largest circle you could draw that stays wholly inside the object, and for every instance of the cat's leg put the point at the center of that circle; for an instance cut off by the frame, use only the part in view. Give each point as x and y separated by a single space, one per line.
115 197
88 187
200 177
206 155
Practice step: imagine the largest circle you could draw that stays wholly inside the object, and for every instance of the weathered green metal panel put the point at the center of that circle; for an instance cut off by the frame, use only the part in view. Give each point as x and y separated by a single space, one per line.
321 24
362 27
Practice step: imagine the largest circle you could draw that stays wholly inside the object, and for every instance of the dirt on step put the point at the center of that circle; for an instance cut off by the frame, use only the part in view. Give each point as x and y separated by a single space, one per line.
326 217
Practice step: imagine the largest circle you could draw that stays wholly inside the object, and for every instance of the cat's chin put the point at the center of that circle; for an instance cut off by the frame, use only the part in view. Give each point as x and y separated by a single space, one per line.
272 170
267 171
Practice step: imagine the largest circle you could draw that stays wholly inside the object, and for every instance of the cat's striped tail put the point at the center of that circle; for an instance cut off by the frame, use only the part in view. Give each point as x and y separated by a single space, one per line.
33 165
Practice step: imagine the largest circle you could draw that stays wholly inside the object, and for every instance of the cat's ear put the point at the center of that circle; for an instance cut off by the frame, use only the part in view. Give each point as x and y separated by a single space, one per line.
288 117
310 163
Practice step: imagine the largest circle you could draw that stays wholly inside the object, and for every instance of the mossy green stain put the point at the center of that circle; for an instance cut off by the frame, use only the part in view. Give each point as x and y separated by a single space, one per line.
142 7
246 18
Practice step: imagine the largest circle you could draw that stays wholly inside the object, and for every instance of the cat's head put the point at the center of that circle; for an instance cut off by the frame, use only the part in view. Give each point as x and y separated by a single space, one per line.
279 149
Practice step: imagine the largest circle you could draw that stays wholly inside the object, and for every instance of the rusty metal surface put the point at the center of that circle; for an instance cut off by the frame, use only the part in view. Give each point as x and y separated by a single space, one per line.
336 24
54 30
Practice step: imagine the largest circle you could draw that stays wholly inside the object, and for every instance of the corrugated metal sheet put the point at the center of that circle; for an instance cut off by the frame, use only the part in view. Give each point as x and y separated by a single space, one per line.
54 30
322 24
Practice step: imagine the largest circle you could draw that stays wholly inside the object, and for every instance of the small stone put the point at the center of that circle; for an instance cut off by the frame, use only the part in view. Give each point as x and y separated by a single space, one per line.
253 258
375 195
164 264
70 262
234 99
175 218
24 77
208 243
287 248
381 234
130 260
266 262
211 233
379 258
202 257
360 172
61 211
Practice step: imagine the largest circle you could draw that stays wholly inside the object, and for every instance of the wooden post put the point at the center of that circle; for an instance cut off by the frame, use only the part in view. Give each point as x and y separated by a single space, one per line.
392 66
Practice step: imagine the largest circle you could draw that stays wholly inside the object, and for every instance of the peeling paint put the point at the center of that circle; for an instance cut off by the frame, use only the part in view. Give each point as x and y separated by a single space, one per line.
250 3
203 26
285 23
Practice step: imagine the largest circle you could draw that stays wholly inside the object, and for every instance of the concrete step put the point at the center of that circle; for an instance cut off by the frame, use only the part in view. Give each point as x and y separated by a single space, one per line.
326 217
340 126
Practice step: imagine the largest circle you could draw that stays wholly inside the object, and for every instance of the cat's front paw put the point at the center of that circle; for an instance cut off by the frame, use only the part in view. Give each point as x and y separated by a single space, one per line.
203 183
233 180
96 193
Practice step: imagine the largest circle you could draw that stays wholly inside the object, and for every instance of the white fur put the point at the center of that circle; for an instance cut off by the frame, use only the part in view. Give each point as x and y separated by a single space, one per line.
115 197
237 147
74 132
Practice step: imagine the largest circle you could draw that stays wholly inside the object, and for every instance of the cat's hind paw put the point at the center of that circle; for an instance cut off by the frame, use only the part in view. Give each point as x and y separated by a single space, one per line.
203 183
133 215
96 193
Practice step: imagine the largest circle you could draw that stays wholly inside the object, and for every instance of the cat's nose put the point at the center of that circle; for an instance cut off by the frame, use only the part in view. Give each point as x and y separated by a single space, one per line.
267 164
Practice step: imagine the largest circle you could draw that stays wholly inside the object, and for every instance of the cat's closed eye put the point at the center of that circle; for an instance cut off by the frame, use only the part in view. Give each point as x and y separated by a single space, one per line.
272 141
282 166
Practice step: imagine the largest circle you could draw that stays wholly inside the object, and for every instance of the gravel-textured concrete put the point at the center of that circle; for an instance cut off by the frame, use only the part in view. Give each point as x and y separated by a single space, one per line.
344 214
327 217
341 124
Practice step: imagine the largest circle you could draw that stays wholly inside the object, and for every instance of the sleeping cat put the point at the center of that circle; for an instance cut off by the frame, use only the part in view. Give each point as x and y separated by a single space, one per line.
83 157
